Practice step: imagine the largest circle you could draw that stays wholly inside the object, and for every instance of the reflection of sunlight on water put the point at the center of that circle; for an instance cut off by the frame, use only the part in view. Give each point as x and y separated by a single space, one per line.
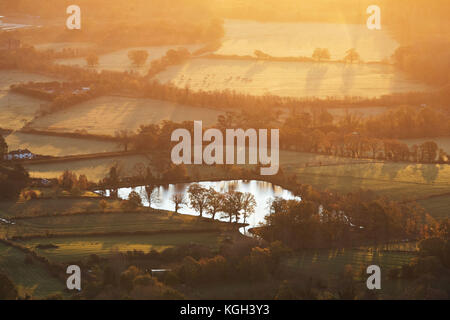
263 192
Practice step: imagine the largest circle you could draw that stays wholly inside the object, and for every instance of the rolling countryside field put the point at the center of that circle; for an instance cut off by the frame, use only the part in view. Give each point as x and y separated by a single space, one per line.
292 79
113 223
300 39
107 115
77 248
94 169
400 181
16 109
333 261
51 205
91 177
58 146
32 279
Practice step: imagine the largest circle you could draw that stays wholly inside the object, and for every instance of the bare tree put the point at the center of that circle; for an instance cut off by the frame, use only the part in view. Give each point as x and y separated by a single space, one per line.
215 202
124 138
248 205
178 200
232 205
198 198
150 193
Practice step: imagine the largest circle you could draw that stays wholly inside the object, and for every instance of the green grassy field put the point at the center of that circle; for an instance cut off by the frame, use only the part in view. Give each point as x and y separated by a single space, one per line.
333 261
52 206
396 180
32 279
85 224
76 248
94 169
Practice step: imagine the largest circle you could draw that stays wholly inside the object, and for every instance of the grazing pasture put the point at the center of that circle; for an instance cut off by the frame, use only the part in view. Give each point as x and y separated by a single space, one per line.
107 115
60 46
107 223
16 109
53 206
243 37
32 279
292 79
396 180
73 249
94 169
48 145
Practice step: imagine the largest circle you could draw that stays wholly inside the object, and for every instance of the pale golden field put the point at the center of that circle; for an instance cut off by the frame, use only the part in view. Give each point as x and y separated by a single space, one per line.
16 109
107 115
9 77
94 169
295 39
119 61
59 46
292 79
58 146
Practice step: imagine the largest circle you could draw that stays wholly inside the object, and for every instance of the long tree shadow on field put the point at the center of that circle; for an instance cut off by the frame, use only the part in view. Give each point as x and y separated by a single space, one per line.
430 172
314 78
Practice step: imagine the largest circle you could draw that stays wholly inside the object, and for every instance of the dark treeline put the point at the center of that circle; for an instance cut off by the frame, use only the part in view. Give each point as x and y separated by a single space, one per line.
172 57
352 219
13 177
375 137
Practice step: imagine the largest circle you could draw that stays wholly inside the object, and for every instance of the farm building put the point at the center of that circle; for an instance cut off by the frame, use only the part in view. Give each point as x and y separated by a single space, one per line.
19 155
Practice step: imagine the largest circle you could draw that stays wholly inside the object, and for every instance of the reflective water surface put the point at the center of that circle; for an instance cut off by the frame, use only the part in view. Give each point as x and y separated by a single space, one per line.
263 192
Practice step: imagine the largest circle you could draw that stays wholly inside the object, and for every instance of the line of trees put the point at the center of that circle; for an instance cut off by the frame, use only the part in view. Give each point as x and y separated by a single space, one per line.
231 205
348 220
106 82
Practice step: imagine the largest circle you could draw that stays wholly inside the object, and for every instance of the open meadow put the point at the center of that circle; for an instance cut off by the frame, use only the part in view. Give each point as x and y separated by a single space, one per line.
333 261
54 206
292 79
76 248
16 109
107 115
112 223
294 39
32 279
57 146
60 46
94 169
400 181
